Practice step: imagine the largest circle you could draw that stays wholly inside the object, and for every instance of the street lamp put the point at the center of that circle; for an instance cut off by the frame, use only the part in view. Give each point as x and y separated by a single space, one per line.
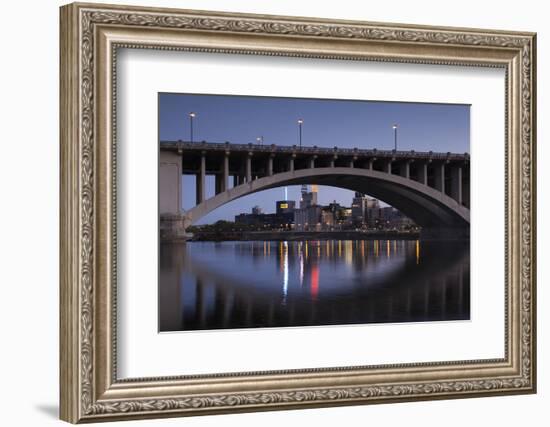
300 123
191 117
395 136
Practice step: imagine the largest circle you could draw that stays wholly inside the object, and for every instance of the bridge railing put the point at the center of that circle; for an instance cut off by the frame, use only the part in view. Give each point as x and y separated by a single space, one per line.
294 149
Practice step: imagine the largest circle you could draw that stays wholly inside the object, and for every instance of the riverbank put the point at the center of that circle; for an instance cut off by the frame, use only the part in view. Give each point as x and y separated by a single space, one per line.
304 235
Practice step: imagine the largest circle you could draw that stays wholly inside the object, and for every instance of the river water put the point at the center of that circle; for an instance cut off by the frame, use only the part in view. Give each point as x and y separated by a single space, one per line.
219 285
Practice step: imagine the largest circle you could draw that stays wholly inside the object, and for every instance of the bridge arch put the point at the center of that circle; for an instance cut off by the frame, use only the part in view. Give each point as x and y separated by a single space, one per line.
428 207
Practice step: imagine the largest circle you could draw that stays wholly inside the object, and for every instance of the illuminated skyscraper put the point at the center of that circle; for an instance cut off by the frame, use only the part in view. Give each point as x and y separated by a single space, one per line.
358 209
308 217
308 198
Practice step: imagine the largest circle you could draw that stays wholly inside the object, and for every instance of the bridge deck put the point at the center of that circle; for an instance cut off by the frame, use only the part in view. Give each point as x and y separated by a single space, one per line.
310 150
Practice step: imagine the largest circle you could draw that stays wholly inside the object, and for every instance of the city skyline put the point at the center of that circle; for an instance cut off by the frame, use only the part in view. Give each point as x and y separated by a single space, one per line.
326 123
363 213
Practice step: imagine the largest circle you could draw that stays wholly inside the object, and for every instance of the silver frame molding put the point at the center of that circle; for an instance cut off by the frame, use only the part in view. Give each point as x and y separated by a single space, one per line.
90 37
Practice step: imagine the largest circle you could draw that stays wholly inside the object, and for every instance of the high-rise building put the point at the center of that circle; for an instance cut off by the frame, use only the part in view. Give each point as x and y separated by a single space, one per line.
303 192
341 215
308 198
373 203
358 209
308 218
256 210
373 213
327 218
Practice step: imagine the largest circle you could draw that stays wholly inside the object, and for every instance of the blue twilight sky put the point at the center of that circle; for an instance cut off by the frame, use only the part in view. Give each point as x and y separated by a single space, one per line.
327 123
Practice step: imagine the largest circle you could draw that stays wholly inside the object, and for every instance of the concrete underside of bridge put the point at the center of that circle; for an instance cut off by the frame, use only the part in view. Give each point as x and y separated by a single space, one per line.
440 216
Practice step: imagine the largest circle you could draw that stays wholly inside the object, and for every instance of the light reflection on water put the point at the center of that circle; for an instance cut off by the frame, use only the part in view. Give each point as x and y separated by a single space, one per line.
215 285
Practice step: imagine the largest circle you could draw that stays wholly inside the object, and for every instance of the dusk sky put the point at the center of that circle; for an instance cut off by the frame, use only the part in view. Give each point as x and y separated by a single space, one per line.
327 123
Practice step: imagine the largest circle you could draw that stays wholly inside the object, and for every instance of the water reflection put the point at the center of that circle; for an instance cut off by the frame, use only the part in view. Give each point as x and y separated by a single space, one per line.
215 285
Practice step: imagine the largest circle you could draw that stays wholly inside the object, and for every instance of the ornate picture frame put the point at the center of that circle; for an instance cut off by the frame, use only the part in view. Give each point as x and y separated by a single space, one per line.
90 37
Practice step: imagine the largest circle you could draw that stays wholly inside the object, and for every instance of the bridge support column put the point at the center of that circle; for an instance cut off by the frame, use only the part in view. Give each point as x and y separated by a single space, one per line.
439 175
370 163
456 184
405 169
201 180
311 162
423 173
170 182
466 192
270 165
333 161
249 167
225 172
387 166
291 163
173 221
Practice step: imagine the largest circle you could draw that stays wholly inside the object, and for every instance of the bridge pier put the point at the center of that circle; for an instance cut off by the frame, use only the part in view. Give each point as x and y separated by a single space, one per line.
423 173
387 166
466 191
201 180
173 226
225 172
405 169
170 182
172 221
456 184
249 167
270 165
439 176
370 163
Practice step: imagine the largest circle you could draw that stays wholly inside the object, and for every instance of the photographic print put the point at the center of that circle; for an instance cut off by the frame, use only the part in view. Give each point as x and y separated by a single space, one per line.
281 212
295 192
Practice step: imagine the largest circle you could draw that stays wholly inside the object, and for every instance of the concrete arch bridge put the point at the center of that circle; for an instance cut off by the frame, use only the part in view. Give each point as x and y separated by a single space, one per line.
430 188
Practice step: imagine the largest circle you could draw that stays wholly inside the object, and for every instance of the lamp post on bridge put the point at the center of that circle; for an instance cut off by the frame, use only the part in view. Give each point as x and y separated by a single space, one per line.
395 136
300 123
192 115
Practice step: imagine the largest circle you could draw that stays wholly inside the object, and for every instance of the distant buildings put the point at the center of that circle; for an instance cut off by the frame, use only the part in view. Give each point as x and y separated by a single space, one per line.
282 219
327 218
342 215
364 214
285 207
386 217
